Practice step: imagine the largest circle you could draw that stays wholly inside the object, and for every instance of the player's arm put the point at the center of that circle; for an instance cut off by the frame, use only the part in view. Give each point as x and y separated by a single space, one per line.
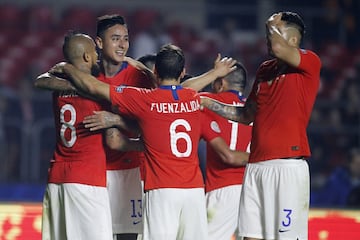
117 141
240 114
234 158
104 119
83 81
222 67
140 66
49 81
279 41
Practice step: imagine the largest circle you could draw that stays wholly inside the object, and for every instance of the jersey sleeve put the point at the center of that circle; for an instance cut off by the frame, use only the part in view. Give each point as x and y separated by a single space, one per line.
310 63
210 129
125 99
140 79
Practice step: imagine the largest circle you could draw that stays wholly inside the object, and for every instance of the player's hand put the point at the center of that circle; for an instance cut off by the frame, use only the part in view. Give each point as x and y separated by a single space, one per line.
274 19
58 68
101 120
224 66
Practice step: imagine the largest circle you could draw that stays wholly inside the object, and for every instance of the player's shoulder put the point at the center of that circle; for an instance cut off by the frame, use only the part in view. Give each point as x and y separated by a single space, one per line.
206 94
309 54
268 63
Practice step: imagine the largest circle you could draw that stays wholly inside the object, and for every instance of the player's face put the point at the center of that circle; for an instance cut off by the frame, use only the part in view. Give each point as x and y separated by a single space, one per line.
283 30
115 43
95 69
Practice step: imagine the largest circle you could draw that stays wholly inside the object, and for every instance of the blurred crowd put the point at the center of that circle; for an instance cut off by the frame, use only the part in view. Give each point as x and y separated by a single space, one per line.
31 39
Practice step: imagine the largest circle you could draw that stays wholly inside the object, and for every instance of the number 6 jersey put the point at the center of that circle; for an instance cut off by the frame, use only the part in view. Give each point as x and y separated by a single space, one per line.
169 118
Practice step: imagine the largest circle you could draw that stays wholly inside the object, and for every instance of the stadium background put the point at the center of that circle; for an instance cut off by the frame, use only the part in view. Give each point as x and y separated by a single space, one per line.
31 35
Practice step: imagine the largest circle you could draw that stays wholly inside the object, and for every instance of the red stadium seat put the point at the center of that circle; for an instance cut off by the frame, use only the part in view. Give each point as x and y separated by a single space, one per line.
11 17
79 19
40 18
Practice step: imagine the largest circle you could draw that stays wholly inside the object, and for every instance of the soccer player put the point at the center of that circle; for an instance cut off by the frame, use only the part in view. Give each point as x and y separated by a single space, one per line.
123 172
76 203
170 122
223 180
275 197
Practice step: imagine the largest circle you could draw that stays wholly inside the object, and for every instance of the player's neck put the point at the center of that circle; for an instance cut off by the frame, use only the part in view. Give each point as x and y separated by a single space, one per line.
110 69
169 82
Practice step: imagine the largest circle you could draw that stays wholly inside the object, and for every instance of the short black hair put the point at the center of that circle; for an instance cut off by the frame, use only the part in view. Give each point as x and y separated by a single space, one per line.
148 60
238 77
107 21
170 62
294 19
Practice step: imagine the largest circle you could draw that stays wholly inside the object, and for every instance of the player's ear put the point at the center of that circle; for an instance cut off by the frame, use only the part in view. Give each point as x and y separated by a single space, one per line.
294 41
99 42
86 57
183 73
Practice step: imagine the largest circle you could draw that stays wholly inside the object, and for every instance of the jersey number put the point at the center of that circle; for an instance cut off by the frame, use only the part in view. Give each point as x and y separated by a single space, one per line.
234 136
68 125
175 136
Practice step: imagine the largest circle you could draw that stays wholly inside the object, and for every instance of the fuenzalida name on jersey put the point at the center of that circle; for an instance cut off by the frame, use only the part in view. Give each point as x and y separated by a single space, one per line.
176 107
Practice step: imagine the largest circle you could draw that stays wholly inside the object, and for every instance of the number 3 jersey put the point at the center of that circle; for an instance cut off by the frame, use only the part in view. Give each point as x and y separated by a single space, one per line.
79 155
169 118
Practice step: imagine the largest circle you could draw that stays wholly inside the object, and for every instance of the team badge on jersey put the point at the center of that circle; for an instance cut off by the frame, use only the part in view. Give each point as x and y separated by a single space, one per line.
215 126
120 88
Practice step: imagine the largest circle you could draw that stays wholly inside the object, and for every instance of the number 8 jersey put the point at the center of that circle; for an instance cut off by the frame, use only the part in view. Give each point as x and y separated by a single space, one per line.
79 155
169 118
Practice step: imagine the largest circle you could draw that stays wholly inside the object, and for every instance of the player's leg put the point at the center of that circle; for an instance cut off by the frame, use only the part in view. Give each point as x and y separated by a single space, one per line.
53 222
223 211
193 221
87 212
125 194
162 210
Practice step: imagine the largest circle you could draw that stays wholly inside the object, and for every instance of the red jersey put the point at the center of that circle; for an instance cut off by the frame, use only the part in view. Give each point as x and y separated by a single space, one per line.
236 135
79 154
129 76
284 98
169 118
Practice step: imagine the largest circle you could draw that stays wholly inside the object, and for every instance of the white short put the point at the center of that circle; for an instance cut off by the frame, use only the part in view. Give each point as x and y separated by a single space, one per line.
125 193
274 202
76 211
175 214
223 212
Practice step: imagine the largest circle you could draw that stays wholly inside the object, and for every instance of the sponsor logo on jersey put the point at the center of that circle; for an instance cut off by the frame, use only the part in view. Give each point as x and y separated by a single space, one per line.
119 89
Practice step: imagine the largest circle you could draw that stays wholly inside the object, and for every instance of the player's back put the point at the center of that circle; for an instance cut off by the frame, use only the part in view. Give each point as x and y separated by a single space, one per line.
236 135
169 117
79 155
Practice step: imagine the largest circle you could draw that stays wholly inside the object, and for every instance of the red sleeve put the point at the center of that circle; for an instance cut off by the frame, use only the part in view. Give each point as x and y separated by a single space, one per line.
210 129
140 79
310 62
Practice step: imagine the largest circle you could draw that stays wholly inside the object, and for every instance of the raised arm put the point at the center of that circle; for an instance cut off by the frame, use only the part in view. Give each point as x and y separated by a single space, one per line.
240 114
140 66
231 157
85 82
222 67
284 40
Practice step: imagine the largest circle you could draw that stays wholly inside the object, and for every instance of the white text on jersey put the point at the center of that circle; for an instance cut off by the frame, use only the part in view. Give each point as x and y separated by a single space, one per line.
180 107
